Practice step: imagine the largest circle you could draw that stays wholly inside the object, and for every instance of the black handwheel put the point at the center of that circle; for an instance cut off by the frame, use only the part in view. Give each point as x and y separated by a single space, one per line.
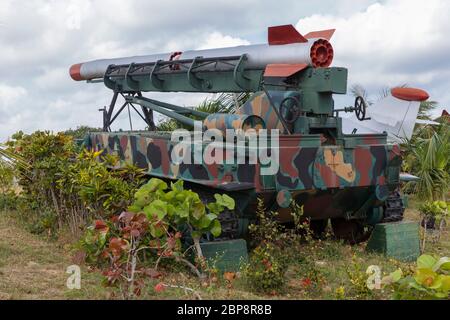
360 108
290 111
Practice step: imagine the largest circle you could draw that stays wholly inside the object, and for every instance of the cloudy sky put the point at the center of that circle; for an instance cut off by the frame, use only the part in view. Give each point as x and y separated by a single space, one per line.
383 43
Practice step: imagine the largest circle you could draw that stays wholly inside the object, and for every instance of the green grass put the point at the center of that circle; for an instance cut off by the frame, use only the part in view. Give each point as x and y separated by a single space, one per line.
31 267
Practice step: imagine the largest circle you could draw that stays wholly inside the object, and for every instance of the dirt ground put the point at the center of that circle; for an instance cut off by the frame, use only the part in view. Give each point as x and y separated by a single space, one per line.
33 267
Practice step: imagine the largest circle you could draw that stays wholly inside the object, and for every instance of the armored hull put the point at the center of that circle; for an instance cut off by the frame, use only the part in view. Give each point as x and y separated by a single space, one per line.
349 180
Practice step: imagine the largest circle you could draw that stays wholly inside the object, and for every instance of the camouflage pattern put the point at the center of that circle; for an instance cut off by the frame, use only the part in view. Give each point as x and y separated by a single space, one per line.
327 179
224 121
259 105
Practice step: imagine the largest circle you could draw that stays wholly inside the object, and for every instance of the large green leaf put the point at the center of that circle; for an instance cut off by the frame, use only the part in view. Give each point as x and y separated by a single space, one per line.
393 277
443 264
225 201
134 208
445 279
198 210
155 184
216 229
426 262
204 222
426 277
214 207
396 275
157 208
169 196
181 196
182 210
142 198
177 186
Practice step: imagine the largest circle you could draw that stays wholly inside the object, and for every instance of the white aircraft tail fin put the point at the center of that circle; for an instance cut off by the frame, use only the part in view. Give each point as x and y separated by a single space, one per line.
395 114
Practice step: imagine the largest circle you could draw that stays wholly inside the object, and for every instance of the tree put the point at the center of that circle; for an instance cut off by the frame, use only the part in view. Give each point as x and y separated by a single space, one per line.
426 156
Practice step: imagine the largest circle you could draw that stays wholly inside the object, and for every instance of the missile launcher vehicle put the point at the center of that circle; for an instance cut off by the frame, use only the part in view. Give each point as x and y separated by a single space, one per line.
285 143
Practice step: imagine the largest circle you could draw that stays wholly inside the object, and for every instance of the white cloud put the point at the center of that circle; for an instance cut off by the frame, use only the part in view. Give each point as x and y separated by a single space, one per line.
381 42
9 95
218 40
397 42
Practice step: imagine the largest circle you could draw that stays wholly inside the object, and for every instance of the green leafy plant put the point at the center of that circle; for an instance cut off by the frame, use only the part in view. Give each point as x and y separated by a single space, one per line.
102 191
77 185
358 280
153 223
431 280
265 271
436 209
433 213
426 156
177 207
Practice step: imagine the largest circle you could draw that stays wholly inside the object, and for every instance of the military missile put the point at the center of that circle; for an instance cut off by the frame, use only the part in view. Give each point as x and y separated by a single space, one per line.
286 52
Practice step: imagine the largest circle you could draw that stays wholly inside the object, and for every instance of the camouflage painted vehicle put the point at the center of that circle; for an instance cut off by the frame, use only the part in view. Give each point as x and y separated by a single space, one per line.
351 179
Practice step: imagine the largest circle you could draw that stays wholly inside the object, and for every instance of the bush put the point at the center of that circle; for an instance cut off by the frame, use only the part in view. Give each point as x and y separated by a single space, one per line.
434 209
358 280
431 280
153 224
266 269
8 200
76 185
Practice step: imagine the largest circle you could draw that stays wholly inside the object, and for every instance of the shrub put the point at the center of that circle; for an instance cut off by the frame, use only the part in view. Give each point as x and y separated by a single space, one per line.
76 185
431 280
268 262
153 223
266 269
8 200
358 280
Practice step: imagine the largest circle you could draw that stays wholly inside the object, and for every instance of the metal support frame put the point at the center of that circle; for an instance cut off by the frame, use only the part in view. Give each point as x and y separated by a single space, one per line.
147 106
109 116
194 73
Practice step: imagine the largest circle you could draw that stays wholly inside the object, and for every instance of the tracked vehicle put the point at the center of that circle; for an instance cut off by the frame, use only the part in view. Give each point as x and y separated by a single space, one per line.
350 178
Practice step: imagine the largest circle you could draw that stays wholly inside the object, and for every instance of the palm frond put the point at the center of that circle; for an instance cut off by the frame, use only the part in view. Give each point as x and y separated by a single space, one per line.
425 109
427 157
358 90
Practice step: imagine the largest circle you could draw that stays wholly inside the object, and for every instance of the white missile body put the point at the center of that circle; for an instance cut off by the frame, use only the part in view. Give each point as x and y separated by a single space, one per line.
286 46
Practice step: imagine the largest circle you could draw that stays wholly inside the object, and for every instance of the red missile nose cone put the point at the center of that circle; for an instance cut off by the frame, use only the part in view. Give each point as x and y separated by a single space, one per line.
410 94
75 72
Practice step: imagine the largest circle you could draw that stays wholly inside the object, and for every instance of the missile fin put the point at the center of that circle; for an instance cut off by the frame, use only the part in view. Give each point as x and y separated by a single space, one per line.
283 70
284 35
325 34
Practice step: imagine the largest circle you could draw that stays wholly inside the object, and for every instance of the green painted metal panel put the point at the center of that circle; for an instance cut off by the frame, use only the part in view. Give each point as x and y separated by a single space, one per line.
227 255
398 240
207 82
